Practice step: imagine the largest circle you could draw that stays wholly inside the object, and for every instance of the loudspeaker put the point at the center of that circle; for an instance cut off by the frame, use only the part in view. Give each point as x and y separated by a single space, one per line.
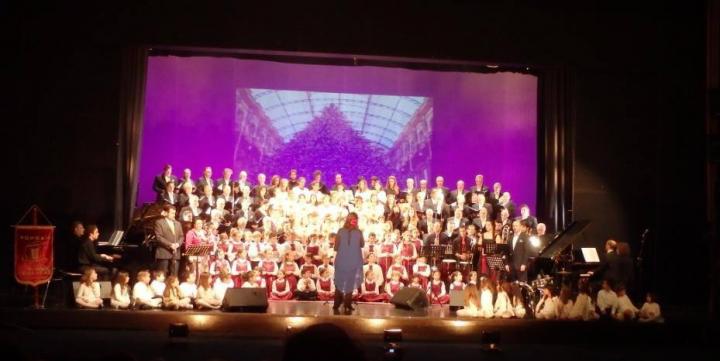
410 299
245 300
105 289
457 298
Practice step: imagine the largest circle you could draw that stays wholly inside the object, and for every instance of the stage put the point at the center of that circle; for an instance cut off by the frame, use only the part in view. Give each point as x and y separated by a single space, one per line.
436 333
368 321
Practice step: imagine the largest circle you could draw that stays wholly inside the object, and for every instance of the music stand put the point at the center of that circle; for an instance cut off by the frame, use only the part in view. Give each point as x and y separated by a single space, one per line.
437 251
495 262
200 250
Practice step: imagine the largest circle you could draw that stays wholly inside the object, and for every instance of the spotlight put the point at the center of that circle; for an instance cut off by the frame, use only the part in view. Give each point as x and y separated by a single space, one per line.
392 335
178 329
535 241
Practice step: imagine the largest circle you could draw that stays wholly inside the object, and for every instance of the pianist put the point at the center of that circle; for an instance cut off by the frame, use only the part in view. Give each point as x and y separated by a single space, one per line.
88 256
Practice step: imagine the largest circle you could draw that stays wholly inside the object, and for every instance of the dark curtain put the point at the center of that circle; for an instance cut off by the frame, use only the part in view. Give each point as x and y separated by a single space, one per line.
132 99
556 153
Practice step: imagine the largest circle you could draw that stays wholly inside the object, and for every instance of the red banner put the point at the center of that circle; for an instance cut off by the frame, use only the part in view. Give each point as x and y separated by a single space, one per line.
33 254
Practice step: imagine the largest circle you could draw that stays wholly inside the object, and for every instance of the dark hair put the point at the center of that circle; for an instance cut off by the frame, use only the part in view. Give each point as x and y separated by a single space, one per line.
90 229
167 166
167 207
322 342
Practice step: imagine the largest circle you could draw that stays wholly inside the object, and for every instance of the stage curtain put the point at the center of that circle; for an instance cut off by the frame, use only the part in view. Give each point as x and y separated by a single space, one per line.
130 122
555 171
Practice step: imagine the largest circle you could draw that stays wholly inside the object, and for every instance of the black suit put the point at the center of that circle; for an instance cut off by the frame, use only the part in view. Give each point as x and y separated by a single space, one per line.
459 248
221 183
159 184
430 238
444 210
88 256
452 198
202 182
165 257
519 257
166 197
483 190
183 200
615 269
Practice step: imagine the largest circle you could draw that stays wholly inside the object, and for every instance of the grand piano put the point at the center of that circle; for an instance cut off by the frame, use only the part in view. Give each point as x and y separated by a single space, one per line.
561 260
133 246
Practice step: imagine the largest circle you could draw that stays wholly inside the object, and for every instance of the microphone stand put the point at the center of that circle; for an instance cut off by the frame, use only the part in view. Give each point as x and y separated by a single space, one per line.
639 263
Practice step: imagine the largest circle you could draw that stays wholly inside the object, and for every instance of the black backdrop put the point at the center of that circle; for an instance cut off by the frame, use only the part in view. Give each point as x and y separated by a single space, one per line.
636 107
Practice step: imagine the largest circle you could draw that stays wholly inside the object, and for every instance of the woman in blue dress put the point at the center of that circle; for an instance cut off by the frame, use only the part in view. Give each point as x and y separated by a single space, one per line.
348 262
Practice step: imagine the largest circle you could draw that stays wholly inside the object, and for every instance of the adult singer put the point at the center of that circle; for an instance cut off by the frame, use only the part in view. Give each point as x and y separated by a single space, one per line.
168 238
348 262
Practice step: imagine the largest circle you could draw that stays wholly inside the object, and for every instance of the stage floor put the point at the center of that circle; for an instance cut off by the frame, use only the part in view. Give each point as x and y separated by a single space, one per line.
368 321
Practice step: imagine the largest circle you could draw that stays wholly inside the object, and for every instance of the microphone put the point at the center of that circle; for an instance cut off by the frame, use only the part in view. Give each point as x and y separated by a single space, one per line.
645 232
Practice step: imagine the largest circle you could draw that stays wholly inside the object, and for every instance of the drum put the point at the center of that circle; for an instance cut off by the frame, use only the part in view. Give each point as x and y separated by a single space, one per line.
465 268
530 297
447 268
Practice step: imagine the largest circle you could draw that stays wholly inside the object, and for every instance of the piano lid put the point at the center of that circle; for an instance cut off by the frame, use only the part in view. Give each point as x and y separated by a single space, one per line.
564 239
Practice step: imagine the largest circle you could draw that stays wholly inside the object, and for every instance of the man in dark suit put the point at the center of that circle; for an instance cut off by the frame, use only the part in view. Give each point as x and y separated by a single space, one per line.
462 245
205 180
168 239
610 267
88 257
161 180
168 196
226 180
519 256
479 187
453 224
440 186
186 179
459 192
441 211
436 236
530 220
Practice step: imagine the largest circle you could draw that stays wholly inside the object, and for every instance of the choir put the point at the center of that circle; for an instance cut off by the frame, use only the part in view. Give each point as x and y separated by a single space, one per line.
280 236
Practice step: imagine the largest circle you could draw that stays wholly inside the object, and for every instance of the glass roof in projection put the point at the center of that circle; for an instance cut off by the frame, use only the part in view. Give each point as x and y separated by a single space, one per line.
378 118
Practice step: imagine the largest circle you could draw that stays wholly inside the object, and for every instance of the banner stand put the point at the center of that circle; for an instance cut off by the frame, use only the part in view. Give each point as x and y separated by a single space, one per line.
34 259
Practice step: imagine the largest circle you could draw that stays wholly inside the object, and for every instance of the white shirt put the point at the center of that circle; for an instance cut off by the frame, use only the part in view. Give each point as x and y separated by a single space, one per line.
157 288
306 285
219 287
607 300
142 292
188 289
87 293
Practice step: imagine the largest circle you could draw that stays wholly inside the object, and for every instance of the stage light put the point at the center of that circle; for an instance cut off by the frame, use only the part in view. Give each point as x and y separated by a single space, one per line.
392 335
492 66
200 320
535 241
178 329
460 323
376 322
296 321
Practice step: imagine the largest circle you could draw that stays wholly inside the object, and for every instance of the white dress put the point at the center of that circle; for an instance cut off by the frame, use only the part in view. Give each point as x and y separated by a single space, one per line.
120 298
503 306
486 304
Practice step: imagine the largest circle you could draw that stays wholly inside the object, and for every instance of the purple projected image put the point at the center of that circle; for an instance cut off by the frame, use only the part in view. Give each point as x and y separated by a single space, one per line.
270 117
351 134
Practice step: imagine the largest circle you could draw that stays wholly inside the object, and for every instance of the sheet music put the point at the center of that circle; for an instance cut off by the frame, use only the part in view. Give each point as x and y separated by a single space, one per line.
590 255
